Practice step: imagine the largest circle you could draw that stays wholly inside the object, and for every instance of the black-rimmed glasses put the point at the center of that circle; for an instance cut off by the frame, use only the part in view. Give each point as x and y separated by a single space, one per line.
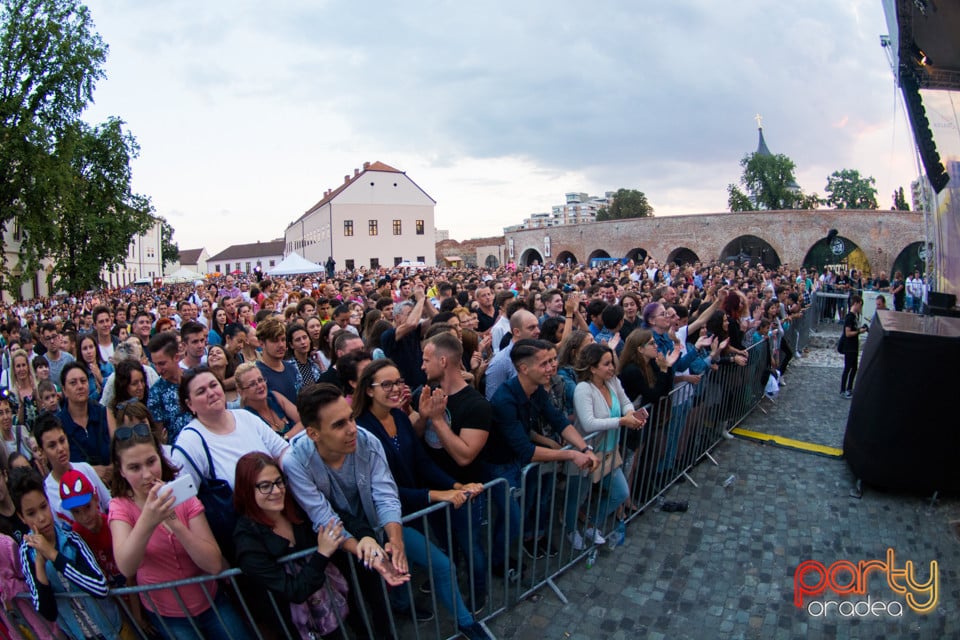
388 385
266 488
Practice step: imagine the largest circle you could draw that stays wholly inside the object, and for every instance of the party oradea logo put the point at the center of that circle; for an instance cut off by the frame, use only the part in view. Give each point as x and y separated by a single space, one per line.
815 585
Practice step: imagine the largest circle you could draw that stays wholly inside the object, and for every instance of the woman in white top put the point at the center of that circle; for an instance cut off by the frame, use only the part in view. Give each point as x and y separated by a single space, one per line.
229 434
601 407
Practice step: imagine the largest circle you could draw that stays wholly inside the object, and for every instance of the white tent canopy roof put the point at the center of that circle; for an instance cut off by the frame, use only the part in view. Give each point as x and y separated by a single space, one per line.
183 275
294 264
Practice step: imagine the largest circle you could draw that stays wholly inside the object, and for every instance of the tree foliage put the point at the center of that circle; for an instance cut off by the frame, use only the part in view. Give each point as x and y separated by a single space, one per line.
169 250
98 214
64 184
900 201
627 203
768 183
847 189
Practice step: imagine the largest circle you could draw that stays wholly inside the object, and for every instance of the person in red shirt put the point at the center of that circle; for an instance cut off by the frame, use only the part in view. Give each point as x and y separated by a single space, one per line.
77 496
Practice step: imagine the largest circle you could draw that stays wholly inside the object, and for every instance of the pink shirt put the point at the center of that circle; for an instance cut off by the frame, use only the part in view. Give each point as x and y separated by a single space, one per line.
166 560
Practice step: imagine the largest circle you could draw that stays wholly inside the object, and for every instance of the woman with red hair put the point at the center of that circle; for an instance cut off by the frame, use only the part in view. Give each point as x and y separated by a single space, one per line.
270 526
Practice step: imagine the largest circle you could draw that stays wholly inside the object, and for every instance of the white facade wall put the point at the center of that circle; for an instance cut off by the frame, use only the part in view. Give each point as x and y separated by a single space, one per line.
244 264
143 260
382 197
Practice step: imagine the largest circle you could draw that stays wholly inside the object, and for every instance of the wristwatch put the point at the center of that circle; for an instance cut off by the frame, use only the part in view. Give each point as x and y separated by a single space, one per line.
586 448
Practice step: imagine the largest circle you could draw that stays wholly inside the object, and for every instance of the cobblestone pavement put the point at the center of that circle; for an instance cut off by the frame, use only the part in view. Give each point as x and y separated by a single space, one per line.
725 568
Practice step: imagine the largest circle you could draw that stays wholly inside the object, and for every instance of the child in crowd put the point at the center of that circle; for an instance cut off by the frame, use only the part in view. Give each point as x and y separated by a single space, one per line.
53 442
55 560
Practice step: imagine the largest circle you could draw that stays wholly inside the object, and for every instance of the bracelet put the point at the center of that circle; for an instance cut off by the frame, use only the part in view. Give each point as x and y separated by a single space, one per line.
568 317
586 448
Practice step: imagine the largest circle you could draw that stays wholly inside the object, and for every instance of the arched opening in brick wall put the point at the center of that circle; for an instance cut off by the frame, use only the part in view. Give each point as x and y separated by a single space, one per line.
637 254
599 254
491 262
839 253
750 248
566 257
912 258
682 255
529 256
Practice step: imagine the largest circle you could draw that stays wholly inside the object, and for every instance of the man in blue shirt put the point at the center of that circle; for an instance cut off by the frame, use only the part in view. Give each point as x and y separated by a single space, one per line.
280 375
523 325
517 405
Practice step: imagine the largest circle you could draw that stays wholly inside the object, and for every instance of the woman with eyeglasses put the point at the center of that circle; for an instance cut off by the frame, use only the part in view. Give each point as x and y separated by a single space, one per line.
159 542
270 406
271 526
377 408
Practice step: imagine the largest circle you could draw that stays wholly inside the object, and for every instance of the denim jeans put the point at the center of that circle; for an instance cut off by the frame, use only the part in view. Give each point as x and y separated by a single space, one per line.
208 623
418 549
678 418
613 491
468 539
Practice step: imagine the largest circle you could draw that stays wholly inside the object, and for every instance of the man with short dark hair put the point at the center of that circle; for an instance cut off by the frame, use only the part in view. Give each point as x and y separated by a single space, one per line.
344 343
141 330
103 323
194 338
55 355
339 473
517 404
163 399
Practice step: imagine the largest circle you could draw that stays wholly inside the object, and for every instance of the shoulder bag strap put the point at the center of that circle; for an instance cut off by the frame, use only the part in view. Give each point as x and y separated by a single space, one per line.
213 473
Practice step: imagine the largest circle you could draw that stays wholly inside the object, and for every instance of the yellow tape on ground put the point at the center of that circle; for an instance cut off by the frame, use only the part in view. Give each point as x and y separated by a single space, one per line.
789 443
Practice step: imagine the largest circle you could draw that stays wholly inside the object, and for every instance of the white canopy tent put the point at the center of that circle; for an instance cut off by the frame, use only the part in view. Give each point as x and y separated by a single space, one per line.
182 275
294 264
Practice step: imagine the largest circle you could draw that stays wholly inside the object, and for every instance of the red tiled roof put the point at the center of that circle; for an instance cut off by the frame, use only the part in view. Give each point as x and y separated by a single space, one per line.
372 166
190 256
251 250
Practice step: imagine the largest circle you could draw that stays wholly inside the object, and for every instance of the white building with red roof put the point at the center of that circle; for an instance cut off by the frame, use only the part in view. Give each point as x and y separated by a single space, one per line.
378 217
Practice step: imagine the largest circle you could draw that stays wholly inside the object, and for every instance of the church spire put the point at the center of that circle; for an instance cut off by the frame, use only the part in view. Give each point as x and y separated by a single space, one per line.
762 144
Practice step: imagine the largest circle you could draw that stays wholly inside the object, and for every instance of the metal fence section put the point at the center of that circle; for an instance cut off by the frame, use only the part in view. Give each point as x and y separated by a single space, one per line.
537 527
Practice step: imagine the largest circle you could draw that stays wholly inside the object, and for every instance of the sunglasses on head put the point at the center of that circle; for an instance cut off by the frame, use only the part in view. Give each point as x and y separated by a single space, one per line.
140 430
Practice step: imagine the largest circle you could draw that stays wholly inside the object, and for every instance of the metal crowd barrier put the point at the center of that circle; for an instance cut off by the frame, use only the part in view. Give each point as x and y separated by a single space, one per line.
830 307
554 500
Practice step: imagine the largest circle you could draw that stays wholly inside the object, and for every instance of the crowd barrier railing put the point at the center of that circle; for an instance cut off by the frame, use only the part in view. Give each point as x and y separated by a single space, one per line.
539 526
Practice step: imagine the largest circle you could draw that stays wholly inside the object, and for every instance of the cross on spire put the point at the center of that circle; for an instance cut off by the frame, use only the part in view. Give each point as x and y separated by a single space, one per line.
759 120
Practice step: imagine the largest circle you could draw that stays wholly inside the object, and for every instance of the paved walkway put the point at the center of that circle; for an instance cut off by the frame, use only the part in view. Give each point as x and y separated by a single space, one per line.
725 568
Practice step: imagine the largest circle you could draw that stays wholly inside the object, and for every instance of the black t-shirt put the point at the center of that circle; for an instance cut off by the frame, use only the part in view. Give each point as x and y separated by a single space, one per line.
851 345
13 526
466 409
407 354
485 321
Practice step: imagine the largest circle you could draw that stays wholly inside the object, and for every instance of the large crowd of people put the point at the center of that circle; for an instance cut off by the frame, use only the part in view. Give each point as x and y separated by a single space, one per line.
317 412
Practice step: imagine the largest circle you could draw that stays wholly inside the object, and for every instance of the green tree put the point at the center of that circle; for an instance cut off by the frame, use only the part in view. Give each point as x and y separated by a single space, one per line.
170 251
768 183
627 203
97 217
50 60
900 201
846 189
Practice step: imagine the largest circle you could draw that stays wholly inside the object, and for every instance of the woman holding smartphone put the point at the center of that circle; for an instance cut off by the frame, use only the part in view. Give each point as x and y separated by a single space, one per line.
160 542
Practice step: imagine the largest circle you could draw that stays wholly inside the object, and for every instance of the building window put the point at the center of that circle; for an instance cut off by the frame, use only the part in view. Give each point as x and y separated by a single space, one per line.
238 266
349 265
421 259
372 228
374 263
397 261
397 227
273 263
247 270
419 227
217 269
348 227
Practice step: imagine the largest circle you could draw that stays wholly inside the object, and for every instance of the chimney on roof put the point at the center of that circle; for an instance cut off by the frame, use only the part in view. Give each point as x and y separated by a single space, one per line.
366 165
346 178
356 172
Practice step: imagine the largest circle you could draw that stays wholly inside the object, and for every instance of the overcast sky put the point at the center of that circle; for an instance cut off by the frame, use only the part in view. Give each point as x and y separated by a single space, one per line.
246 112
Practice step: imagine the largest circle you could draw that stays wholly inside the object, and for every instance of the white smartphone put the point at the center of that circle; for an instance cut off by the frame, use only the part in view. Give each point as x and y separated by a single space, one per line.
183 488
